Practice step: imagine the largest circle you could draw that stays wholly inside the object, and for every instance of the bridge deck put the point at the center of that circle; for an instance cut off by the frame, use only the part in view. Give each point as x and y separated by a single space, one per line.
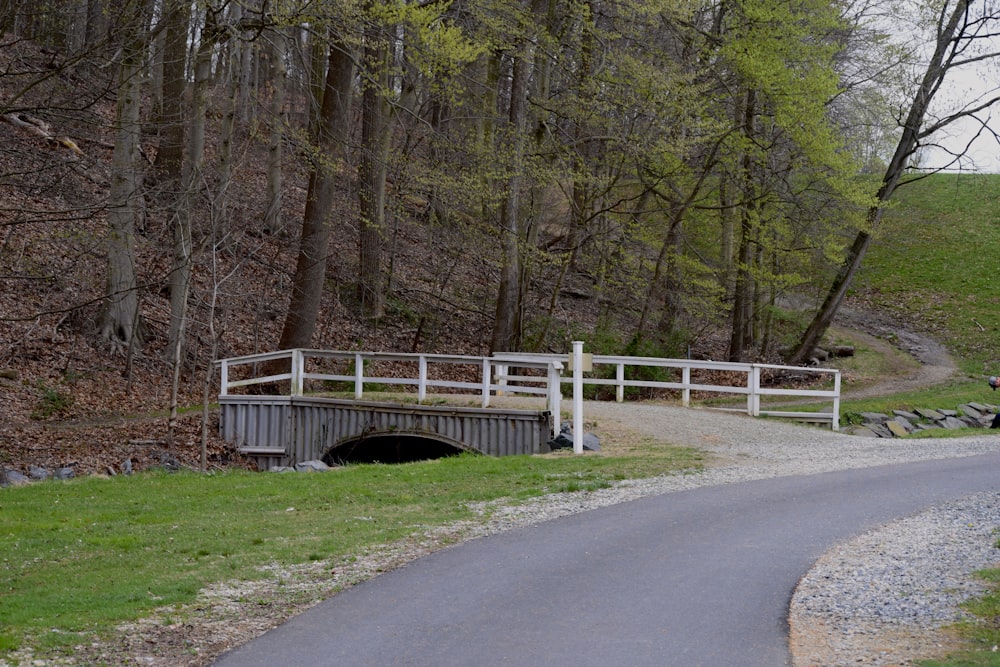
284 430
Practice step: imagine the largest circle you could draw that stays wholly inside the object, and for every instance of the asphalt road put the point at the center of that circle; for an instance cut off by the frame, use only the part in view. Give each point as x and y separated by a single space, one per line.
699 577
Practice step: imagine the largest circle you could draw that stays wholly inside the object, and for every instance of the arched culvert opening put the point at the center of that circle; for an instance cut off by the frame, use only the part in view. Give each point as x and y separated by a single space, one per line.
390 448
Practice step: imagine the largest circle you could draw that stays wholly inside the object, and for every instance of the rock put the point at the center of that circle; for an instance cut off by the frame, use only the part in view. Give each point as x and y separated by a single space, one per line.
591 442
16 478
949 413
311 466
64 473
897 428
282 469
970 411
907 424
874 417
38 473
908 416
565 439
953 423
861 431
933 415
881 430
126 467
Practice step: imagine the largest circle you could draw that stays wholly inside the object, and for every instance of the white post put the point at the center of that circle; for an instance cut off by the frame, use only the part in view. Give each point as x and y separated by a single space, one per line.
422 380
359 376
753 398
620 379
686 381
555 395
502 370
835 423
578 397
487 370
296 380
224 378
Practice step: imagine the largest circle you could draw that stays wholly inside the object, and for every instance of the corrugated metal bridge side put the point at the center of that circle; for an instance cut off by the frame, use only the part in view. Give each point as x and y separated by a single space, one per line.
285 430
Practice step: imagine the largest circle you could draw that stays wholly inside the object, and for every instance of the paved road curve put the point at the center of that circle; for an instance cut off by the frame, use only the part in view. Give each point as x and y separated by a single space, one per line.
699 577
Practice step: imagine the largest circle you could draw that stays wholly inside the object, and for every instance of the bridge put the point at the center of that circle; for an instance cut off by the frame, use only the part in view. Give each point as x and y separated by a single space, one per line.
305 416
296 426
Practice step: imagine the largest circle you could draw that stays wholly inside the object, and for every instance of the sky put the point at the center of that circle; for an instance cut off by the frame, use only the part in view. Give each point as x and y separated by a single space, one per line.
965 86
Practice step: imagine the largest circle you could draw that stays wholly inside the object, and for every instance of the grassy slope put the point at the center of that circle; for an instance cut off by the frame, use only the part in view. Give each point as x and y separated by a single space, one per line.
934 263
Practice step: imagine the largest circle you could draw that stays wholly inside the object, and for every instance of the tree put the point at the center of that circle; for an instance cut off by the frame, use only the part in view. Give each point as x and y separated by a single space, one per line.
120 319
329 146
957 32
374 155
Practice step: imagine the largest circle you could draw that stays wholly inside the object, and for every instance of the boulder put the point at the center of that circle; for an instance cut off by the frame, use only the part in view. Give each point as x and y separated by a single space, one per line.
14 478
314 465
970 411
953 423
38 473
897 428
927 413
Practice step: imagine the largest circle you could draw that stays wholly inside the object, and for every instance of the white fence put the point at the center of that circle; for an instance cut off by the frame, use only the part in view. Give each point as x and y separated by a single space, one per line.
534 374
751 386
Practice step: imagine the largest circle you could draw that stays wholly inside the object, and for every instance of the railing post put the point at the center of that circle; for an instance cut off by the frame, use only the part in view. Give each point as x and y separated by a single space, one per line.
487 376
422 379
578 397
620 379
502 370
686 381
224 378
835 422
555 395
297 383
359 376
753 398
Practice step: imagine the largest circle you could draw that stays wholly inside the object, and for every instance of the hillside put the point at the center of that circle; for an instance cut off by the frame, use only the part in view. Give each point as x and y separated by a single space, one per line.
70 398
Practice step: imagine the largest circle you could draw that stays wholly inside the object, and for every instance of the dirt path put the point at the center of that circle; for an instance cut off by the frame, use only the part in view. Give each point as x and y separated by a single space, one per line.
935 365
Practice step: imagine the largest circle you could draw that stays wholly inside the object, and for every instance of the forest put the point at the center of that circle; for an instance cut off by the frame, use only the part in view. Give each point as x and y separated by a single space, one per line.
186 180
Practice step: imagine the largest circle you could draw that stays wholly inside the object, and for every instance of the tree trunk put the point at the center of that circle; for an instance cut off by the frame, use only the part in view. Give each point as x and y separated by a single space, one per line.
272 216
191 189
310 269
119 322
372 175
170 120
507 323
741 335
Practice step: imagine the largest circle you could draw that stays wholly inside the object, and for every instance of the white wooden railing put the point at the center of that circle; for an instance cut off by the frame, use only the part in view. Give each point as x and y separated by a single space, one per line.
751 386
536 374
494 379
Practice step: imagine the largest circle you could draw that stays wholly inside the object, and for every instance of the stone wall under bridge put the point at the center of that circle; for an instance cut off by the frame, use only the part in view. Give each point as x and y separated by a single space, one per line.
285 430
